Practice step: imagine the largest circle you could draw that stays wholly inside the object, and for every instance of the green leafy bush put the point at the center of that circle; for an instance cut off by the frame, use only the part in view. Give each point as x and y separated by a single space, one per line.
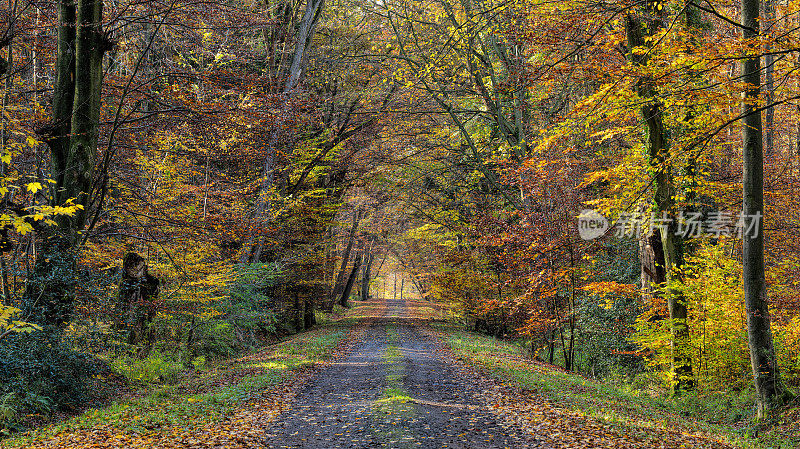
604 330
155 368
199 363
248 309
13 406
217 338
41 372
234 319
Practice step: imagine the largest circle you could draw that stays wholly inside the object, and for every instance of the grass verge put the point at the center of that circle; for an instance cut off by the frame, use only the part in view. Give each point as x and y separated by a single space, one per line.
632 410
203 399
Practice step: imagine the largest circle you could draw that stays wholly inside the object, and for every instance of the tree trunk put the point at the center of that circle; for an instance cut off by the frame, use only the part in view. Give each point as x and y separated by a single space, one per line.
415 281
253 247
136 308
770 392
190 342
309 318
348 288
251 250
299 312
6 66
769 84
72 139
365 278
671 244
342 277
329 268
80 160
304 31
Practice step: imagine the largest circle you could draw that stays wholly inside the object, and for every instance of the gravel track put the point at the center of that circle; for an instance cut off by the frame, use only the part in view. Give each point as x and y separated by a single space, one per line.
393 389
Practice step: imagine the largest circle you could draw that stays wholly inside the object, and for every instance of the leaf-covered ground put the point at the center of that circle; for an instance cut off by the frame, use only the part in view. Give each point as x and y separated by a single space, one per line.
380 376
227 407
568 410
393 391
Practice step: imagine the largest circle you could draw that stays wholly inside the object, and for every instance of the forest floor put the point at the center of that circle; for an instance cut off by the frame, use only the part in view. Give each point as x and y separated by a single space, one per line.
389 374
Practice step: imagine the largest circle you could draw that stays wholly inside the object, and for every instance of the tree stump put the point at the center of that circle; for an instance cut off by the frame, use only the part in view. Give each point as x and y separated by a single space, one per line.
138 293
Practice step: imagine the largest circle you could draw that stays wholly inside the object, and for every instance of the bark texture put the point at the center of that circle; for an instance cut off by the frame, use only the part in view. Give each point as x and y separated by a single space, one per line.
769 389
138 293
72 139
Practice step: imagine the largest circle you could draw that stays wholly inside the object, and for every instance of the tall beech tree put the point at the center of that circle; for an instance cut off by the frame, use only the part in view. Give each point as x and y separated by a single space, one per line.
302 38
770 391
72 138
664 244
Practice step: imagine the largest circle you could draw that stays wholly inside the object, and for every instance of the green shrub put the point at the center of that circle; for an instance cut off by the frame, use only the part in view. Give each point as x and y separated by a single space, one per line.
246 313
217 338
156 368
218 328
604 329
40 373
199 363
13 406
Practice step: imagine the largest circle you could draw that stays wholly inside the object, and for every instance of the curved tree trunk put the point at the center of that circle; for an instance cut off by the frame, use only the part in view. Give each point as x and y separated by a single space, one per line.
344 301
339 285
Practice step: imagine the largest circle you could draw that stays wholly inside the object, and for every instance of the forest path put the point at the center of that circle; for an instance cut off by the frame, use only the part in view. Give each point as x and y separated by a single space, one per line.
389 381
393 389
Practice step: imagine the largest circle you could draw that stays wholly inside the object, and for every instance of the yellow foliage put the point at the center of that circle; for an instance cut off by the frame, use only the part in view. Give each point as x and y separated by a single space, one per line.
9 325
717 346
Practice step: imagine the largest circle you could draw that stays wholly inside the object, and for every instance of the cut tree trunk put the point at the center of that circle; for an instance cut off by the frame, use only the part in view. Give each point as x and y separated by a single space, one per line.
138 293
